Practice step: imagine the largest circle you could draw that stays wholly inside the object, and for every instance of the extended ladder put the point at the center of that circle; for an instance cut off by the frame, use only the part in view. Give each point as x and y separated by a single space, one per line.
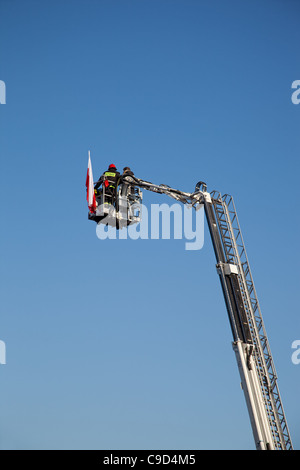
256 366
250 343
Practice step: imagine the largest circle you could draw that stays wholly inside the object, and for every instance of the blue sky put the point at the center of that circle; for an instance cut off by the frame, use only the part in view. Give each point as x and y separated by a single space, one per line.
126 344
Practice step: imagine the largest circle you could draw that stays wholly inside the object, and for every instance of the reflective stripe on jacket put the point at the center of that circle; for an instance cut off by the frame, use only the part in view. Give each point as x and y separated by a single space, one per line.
112 178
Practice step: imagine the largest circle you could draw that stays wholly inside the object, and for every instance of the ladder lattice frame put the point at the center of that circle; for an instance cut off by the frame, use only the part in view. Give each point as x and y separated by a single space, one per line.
235 252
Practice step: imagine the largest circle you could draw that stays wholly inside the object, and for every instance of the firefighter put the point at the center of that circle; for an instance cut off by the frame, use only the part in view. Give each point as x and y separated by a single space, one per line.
127 171
126 188
109 179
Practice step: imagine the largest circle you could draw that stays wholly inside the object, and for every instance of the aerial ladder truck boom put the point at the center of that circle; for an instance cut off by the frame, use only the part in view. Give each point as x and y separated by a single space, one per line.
250 343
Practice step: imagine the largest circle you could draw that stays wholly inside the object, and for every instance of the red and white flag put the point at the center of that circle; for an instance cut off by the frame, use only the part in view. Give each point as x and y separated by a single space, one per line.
90 194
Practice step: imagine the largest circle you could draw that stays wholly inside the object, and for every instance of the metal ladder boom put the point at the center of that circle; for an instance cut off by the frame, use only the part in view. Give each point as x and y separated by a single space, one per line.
272 413
250 343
